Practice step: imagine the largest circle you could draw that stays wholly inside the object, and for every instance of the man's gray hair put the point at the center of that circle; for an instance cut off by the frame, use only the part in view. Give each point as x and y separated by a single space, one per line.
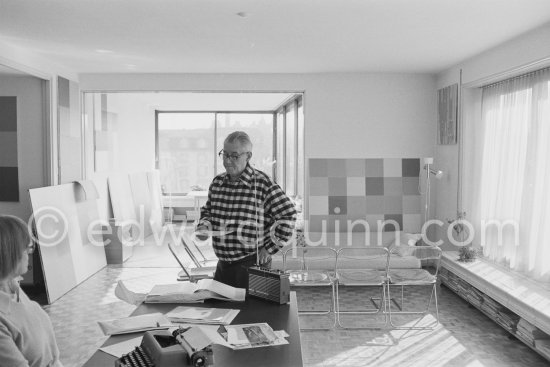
241 137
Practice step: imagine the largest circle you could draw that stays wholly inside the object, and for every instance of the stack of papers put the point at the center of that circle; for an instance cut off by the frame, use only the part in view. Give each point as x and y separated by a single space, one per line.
490 306
186 292
543 346
475 297
173 293
200 315
133 324
529 332
507 319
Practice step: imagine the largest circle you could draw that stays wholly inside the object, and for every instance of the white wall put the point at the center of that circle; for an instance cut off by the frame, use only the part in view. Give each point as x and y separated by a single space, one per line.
135 140
34 64
527 52
346 115
30 139
136 126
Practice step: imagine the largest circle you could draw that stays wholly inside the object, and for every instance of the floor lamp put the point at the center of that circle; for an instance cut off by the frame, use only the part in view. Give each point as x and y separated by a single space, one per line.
430 171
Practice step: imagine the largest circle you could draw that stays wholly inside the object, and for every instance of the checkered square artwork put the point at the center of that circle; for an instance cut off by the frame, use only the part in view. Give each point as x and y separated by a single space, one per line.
356 194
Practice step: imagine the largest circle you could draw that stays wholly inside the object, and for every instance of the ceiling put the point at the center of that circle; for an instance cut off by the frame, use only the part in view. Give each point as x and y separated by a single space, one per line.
264 36
4 70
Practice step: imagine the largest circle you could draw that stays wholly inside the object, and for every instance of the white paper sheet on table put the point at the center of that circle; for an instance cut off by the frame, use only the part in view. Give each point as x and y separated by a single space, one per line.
127 295
118 349
133 324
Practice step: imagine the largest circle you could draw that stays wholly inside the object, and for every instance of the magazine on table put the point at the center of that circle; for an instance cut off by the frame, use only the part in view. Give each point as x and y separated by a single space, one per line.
246 336
243 336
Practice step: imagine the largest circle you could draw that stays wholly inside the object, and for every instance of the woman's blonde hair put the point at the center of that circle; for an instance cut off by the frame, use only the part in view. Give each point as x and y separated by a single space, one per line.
14 239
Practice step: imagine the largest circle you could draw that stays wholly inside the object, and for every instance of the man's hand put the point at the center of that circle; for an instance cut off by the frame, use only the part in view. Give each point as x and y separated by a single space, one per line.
201 233
263 255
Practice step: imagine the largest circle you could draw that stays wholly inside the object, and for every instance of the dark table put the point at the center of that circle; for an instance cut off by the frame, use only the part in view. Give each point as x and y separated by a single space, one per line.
253 310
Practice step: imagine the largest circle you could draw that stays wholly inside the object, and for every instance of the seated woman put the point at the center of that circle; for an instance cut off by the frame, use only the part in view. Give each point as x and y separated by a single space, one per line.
26 333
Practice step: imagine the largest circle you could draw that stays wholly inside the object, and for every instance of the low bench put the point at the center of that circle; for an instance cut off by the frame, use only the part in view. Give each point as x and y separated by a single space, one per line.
519 304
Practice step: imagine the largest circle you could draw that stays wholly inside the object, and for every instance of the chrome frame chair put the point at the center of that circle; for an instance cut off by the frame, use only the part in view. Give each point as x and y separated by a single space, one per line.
193 251
362 267
428 255
188 274
202 268
316 269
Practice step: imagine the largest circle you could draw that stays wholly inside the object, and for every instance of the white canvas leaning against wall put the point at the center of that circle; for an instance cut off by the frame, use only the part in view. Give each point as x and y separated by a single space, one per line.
156 219
122 201
63 216
141 195
136 198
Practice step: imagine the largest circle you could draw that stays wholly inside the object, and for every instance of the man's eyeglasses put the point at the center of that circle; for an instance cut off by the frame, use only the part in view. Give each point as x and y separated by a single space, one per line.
30 248
233 156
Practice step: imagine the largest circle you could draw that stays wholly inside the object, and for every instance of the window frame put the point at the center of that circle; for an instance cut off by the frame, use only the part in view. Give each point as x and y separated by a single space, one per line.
296 102
216 113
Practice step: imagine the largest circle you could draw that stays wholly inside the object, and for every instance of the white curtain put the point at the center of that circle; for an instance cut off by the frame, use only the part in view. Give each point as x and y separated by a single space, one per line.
507 174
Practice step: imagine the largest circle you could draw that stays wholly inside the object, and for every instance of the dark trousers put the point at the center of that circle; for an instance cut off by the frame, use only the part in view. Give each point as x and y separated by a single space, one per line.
235 273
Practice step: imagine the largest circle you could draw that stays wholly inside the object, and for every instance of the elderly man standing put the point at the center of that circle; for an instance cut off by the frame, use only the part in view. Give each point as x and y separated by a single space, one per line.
247 202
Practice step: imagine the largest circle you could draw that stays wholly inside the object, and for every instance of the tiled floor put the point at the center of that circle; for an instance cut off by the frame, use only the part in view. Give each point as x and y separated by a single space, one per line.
465 337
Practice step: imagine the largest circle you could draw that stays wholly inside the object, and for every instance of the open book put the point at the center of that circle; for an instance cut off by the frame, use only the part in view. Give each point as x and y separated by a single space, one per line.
186 292
202 315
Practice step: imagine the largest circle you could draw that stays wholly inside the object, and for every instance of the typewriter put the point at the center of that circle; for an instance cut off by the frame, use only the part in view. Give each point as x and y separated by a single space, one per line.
182 347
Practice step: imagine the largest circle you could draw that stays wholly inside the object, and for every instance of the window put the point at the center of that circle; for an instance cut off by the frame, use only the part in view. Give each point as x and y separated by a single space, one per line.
290 147
188 145
280 161
259 126
300 160
509 173
290 152
181 134
185 150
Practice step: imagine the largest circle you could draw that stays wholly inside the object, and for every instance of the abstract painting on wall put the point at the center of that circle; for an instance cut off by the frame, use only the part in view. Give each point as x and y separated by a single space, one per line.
9 172
343 193
447 114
